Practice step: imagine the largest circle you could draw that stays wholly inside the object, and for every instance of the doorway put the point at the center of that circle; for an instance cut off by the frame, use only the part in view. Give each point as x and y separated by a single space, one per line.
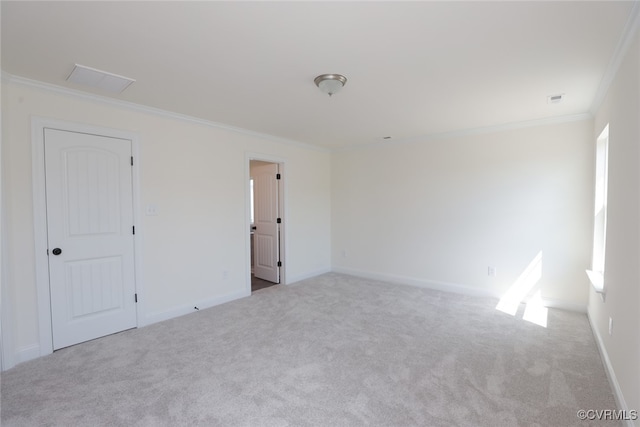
266 223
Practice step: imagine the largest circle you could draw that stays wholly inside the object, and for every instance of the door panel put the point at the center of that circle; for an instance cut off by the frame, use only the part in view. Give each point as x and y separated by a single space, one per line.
91 193
93 286
90 219
266 235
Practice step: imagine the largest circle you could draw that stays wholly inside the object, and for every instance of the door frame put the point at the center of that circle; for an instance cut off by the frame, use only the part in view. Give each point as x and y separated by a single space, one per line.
282 208
38 124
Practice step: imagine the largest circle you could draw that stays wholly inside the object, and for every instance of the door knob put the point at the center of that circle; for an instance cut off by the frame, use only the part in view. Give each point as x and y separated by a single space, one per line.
56 251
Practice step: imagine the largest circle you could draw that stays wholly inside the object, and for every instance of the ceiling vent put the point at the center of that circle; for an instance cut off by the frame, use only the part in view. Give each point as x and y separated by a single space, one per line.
100 79
555 99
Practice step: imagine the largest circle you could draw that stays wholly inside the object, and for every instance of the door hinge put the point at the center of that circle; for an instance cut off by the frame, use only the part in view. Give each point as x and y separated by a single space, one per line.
278 176
47 252
131 160
133 227
279 263
279 220
135 297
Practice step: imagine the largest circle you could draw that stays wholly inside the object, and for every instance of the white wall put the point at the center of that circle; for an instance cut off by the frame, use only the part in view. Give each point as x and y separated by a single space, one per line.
440 212
197 177
621 109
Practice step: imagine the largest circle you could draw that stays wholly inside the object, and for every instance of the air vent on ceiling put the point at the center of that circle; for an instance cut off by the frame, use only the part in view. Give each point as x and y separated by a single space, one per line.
101 79
555 99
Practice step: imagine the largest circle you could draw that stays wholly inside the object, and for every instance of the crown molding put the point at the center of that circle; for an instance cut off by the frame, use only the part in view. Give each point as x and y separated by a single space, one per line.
628 33
13 79
8 78
548 121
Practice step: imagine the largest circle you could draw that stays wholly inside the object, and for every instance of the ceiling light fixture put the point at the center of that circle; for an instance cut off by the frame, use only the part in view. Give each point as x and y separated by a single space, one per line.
330 83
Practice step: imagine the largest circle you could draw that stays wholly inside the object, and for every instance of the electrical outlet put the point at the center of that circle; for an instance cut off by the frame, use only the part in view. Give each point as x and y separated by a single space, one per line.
344 253
610 326
491 271
225 274
151 210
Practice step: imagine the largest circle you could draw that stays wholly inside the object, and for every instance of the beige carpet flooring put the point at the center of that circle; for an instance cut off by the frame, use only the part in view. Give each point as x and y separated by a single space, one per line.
334 350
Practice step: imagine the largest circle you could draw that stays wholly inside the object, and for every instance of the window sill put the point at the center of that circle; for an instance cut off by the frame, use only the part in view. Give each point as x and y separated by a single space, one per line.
597 280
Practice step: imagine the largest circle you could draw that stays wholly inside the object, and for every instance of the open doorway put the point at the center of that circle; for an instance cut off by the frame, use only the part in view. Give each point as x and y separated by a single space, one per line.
265 186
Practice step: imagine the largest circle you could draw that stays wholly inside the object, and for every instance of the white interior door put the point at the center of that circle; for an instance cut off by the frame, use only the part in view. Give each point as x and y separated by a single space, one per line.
266 237
90 235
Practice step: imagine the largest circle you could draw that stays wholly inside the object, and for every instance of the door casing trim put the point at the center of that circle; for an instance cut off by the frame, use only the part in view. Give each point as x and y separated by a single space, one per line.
38 124
283 199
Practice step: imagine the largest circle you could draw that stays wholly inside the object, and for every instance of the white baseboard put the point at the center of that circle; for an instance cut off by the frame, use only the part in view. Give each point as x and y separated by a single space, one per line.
452 287
421 283
309 275
611 375
27 353
564 305
188 308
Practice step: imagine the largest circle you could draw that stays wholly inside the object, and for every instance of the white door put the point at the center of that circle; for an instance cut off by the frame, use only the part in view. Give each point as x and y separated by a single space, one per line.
90 235
266 237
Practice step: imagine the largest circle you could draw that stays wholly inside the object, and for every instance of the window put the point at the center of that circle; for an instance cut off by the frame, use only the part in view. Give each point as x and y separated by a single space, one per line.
596 274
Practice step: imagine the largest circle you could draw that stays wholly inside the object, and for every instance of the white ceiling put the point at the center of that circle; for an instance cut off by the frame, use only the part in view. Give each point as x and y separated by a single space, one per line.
414 69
